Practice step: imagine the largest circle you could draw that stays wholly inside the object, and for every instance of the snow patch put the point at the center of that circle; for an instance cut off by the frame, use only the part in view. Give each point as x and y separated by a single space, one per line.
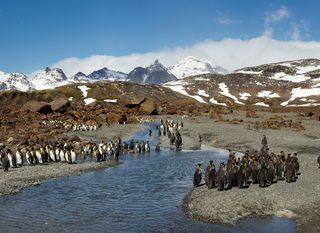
111 100
299 93
293 78
249 72
84 90
202 79
244 95
306 69
214 101
177 86
203 93
89 100
268 94
225 91
262 104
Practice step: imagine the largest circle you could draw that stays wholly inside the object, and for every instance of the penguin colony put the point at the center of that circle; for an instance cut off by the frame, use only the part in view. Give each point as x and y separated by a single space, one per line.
172 130
262 168
70 153
73 125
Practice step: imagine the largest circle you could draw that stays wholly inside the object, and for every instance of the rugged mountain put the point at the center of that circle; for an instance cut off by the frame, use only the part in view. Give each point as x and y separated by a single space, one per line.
156 73
18 81
285 84
106 74
191 66
79 77
49 78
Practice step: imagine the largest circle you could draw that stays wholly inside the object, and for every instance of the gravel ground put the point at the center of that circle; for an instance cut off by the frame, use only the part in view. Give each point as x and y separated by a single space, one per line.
299 200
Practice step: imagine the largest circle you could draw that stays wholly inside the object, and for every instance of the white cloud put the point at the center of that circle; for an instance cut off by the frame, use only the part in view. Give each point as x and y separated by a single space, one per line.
229 53
274 17
226 21
278 15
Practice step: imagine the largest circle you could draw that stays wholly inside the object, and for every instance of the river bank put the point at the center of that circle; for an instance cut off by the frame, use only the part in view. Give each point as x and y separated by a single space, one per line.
299 200
19 178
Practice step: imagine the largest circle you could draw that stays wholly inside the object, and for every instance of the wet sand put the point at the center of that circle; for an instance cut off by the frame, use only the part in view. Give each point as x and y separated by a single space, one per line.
18 178
299 200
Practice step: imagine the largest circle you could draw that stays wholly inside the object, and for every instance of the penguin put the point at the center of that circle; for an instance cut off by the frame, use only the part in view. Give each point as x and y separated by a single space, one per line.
271 172
264 141
212 177
68 156
231 175
147 147
125 146
57 153
197 176
138 148
39 156
12 159
19 157
52 155
241 177
221 177
206 174
73 156
62 155
5 163
296 163
172 139
254 171
318 161
29 157
262 175
157 148
131 146
178 142
289 172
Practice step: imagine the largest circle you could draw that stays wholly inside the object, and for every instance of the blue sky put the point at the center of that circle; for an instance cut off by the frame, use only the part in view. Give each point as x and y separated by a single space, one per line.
39 33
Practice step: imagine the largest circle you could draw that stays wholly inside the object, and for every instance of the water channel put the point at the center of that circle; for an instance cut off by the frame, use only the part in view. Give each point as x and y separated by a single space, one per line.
143 194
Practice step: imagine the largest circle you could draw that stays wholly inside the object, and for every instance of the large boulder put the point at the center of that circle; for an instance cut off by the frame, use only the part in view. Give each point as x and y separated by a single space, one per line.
60 105
113 117
38 106
149 107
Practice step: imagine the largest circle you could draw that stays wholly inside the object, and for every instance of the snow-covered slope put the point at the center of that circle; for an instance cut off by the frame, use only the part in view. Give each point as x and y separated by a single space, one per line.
283 84
48 79
79 78
106 74
191 66
18 81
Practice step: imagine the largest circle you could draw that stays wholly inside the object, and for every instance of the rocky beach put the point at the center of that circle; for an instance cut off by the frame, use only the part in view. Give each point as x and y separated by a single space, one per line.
299 200
18 178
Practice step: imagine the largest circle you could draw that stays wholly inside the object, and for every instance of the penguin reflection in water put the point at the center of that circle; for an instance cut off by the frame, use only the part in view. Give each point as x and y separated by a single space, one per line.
197 176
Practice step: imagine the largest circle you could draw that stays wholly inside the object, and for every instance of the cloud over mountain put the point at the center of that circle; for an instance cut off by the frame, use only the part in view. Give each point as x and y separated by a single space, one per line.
229 53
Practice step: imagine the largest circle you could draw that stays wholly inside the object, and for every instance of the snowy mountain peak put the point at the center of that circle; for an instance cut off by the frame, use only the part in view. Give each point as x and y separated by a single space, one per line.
156 66
156 73
49 78
106 74
191 66
16 81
